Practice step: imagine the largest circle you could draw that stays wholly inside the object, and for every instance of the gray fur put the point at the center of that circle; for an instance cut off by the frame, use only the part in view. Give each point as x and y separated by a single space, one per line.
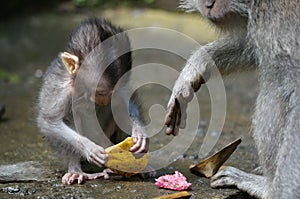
268 38
55 116
188 5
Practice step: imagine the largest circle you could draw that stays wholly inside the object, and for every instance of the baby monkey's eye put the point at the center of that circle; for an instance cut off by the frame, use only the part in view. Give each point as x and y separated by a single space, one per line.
102 93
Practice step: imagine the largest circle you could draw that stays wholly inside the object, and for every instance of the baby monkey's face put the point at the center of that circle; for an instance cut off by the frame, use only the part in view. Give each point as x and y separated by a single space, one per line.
102 95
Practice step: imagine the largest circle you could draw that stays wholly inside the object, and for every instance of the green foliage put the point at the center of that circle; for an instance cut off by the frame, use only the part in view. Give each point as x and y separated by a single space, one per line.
149 1
11 77
89 3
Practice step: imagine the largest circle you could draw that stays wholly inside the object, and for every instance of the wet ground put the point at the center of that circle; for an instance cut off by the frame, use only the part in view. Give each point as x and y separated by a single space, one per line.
27 46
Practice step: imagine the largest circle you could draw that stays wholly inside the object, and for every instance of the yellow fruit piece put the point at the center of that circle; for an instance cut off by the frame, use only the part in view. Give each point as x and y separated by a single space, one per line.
122 161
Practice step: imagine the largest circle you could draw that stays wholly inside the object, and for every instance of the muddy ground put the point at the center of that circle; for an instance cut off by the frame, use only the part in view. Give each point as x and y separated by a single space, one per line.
27 46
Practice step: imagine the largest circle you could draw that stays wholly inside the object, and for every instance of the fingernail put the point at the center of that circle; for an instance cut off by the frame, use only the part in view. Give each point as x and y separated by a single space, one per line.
169 130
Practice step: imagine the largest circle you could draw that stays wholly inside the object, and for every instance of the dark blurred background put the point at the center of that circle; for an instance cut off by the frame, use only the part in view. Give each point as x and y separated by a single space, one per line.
20 7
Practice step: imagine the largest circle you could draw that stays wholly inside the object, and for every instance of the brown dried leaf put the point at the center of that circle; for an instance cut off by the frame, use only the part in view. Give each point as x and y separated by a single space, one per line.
182 194
209 166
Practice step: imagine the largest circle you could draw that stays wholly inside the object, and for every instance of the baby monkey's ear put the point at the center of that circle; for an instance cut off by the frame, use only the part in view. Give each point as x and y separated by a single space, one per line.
71 62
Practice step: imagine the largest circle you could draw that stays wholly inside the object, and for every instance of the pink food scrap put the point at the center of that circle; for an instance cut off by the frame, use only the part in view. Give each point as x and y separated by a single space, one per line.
176 182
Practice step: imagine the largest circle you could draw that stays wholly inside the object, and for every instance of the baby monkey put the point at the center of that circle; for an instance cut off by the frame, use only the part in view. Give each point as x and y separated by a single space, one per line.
55 118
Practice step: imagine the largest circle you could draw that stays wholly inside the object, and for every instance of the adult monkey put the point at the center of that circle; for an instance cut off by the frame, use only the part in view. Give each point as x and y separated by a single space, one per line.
264 33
